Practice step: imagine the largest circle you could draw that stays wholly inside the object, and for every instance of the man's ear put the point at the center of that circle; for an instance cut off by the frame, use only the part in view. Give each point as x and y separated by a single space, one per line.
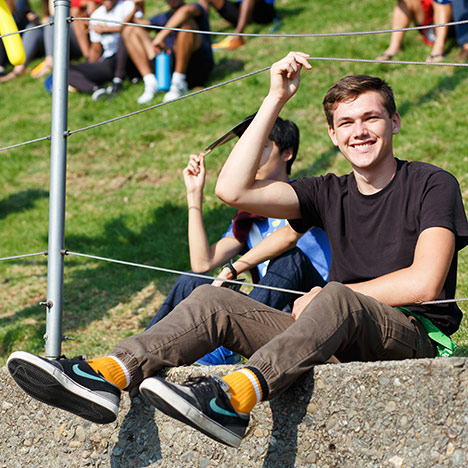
396 123
287 154
331 132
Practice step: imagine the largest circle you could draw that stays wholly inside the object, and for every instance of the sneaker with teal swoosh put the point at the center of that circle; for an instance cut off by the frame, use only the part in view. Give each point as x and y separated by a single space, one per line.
201 402
68 384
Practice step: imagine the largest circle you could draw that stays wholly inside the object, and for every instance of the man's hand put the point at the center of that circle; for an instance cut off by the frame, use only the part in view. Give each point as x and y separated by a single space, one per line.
159 44
32 17
285 75
302 302
194 174
224 273
99 28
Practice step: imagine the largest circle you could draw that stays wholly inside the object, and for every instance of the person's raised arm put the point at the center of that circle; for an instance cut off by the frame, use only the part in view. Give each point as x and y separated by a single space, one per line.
237 184
203 256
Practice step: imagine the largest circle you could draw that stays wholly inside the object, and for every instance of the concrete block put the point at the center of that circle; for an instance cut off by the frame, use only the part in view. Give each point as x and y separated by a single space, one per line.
395 414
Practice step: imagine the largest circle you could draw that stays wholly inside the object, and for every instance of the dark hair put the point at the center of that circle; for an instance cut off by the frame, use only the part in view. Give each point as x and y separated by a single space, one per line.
286 135
352 86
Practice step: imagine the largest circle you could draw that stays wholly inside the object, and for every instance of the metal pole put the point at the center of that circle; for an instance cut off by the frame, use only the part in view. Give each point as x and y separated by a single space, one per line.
58 165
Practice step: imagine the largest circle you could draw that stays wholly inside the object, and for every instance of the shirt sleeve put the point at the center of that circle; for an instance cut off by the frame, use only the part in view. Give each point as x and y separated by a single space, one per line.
442 206
306 190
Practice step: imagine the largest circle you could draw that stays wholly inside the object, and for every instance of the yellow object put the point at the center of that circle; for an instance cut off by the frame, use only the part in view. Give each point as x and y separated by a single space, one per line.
229 43
110 370
37 69
242 385
13 44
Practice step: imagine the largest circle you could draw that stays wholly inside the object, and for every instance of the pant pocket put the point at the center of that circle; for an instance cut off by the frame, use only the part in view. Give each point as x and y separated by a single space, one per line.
401 343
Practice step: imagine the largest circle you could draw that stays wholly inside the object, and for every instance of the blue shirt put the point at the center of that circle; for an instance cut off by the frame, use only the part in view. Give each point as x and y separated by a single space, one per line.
314 244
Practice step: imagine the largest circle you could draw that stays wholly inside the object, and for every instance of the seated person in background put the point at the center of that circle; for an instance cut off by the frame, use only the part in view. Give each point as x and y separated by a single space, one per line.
419 12
24 17
36 42
83 9
460 13
295 268
103 58
192 59
239 14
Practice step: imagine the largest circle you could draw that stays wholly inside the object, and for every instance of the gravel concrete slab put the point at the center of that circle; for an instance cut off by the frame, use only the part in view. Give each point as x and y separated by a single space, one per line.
386 414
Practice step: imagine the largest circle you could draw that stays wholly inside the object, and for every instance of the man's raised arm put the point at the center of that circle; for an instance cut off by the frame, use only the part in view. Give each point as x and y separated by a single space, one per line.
236 184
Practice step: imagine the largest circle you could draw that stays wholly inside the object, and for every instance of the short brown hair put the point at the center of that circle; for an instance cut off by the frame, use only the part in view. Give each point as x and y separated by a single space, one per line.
352 86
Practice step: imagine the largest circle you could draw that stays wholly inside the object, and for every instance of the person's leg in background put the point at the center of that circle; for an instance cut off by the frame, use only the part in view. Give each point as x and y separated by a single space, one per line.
33 45
185 45
442 14
89 77
460 13
182 288
404 12
140 49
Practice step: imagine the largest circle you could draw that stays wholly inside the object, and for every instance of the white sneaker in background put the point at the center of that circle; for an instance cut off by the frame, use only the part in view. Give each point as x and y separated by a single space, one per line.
151 88
176 90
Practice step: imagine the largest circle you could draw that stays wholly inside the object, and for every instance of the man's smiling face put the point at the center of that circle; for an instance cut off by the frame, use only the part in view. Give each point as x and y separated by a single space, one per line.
363 130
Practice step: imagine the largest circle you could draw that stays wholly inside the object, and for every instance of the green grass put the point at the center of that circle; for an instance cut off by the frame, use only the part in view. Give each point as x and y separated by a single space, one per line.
125 194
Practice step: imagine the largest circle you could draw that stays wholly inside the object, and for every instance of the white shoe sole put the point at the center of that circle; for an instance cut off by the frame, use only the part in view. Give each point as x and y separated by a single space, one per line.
171 403
45 382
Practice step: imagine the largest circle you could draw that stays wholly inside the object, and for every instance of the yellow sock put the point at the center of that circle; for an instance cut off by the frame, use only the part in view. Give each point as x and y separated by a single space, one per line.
245 390
111 369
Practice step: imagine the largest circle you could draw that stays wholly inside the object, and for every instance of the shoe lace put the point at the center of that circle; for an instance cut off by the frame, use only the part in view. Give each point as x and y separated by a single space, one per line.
64 357
206 385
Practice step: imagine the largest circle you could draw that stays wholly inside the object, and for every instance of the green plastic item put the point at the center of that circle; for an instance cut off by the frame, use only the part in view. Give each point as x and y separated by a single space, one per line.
445 345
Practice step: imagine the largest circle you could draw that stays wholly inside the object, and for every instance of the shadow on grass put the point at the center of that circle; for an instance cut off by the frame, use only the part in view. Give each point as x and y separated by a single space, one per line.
283 12
461 351
14 330
90 292
447 83
21 201
224 67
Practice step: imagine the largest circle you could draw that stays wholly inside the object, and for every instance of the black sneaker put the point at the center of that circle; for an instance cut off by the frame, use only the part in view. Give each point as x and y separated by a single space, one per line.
113 89
99 94
202 403
68 384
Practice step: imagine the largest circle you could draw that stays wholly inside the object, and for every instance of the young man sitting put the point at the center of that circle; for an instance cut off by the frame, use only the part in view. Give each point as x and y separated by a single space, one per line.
395 228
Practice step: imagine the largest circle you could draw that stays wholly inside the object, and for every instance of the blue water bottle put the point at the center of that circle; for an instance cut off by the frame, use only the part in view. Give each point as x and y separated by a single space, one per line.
163 71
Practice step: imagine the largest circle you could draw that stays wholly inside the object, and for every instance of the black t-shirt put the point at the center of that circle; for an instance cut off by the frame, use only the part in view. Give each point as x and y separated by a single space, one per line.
372 235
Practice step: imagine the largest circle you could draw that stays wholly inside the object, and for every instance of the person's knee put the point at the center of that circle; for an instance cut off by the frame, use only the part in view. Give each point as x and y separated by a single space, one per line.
185 280
211 294
336 289
126 32
340 295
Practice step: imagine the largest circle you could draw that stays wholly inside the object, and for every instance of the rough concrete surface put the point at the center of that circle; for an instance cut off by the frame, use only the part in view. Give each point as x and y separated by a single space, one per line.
386 414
